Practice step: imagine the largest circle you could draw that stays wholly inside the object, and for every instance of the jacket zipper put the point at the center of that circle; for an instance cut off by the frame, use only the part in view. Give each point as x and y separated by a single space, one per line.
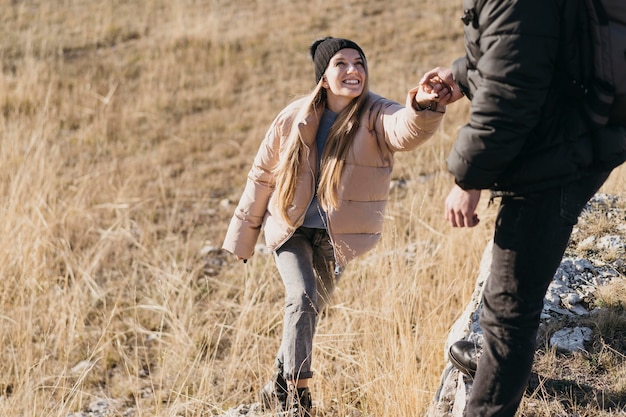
338 268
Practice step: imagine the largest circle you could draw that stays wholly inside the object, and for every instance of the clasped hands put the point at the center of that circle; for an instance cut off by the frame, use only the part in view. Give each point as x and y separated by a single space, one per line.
437 89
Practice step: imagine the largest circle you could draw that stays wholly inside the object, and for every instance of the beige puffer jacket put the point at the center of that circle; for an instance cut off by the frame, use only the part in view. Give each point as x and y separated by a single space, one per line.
355 226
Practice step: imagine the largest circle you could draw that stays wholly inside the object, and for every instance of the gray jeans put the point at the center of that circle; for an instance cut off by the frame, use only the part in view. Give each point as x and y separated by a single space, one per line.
306 264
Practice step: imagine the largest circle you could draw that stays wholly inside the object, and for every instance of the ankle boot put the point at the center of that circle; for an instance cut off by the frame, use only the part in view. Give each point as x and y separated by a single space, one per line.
273 395
299 403
464 356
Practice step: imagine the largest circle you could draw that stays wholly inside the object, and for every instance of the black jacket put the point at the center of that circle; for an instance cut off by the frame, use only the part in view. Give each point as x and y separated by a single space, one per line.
524 132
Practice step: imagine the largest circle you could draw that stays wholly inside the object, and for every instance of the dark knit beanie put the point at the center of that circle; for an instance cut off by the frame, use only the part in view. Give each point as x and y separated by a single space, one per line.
322 50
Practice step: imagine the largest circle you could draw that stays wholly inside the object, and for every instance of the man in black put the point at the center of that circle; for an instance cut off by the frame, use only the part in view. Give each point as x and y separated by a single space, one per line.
527 141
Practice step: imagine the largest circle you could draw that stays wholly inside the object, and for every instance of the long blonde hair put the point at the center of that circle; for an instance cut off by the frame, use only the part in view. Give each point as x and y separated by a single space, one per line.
332 159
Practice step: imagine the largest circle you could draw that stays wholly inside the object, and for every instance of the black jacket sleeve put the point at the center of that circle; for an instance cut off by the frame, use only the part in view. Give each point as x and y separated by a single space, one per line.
511 49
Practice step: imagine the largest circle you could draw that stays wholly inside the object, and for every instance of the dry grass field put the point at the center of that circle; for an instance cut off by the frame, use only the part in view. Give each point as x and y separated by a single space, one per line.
127 129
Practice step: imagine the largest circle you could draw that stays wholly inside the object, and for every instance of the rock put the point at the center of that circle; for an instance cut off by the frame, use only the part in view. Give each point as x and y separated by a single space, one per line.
100 408
571 339
81 367
611 242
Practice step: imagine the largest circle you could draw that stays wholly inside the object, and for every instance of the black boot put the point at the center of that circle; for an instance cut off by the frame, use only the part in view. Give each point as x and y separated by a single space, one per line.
299 403
273 395
464 356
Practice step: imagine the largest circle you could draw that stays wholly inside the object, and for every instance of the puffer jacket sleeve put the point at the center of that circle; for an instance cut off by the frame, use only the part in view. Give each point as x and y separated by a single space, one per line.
245 225
459 69
403 127
514 45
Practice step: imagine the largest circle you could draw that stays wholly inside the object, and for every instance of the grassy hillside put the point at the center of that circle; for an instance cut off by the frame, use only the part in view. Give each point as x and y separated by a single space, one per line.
127 128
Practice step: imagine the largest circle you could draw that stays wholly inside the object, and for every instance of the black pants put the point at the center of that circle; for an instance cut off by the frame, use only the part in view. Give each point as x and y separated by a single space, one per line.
531 234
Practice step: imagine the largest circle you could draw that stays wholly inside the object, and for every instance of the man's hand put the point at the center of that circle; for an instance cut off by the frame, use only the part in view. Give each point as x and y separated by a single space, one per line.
443 75
460 207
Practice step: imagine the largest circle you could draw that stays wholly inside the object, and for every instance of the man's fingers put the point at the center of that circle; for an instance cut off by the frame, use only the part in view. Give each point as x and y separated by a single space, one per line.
450 217
460 219
428 75
455 218
473 221
460 207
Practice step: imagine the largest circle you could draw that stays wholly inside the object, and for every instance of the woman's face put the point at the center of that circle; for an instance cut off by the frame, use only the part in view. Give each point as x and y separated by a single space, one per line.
344 78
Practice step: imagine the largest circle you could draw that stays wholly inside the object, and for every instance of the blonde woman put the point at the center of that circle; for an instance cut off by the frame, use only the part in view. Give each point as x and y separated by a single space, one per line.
319 186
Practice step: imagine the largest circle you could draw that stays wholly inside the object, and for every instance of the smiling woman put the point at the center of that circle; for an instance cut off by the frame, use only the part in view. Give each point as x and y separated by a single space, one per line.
343 74
319 186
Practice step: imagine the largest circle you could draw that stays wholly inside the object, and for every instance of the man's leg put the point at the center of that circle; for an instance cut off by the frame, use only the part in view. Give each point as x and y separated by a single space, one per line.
531 235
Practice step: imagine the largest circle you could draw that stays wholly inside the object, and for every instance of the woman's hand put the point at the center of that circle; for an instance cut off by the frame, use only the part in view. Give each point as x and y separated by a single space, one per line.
433 96
441 79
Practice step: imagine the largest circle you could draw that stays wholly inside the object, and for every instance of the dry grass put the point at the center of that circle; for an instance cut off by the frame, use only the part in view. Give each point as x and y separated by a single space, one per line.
127 129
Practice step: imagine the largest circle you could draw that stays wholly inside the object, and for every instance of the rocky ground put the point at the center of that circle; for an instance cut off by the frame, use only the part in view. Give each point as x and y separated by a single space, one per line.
590 263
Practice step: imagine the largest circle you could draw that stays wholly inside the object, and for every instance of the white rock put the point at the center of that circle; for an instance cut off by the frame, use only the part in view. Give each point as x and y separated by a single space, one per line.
571 339
587 243
572 299
579 310
81 367
611 242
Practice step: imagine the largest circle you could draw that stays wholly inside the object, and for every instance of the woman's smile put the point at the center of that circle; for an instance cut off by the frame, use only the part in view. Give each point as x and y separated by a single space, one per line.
344 78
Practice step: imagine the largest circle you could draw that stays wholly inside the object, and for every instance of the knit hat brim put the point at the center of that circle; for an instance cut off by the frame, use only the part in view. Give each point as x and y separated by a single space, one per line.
322 50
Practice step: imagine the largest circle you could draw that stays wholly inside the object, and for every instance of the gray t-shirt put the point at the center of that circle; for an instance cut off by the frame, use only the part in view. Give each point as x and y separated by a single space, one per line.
316 217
